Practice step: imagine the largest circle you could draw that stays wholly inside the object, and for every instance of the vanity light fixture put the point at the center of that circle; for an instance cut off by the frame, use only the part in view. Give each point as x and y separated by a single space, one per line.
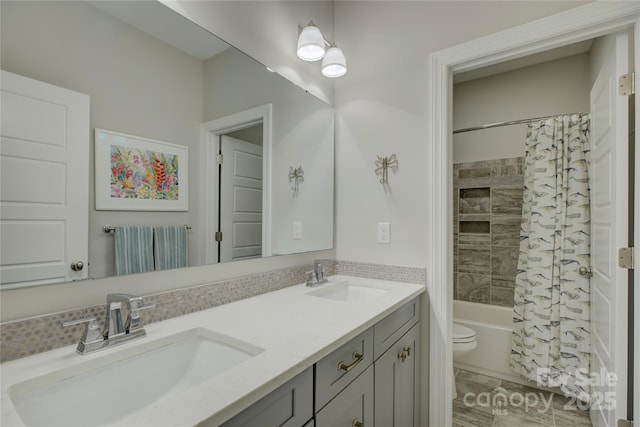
312 46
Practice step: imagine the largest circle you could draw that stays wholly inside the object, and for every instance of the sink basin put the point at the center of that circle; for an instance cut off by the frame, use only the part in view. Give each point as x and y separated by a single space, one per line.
349 292
104 390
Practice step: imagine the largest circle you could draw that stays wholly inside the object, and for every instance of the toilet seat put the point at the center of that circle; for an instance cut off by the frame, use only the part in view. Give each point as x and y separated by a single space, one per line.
462 334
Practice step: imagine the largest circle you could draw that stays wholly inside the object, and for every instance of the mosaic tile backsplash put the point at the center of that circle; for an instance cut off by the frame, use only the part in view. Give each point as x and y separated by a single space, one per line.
26 337
487 206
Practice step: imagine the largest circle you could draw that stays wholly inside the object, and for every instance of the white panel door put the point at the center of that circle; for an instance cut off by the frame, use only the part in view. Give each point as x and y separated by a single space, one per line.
240 200
609 227
44 187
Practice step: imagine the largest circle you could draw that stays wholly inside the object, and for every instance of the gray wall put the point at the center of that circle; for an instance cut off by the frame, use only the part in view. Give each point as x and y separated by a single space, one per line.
251 134
382 108
554 87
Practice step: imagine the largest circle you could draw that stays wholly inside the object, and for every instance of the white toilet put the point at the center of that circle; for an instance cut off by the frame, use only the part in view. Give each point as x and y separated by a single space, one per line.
464 340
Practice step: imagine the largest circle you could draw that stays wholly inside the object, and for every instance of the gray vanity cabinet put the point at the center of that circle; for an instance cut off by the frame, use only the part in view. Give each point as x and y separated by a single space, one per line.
389 330
397 382
381 390
290 405
372 380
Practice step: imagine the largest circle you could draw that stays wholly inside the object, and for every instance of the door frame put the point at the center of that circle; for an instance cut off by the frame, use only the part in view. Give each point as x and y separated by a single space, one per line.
210 134
578 24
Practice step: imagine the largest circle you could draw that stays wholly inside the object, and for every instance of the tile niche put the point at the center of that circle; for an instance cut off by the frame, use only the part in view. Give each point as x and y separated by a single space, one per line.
487 210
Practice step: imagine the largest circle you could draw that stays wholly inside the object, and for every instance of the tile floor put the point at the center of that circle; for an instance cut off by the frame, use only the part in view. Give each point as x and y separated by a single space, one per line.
490 402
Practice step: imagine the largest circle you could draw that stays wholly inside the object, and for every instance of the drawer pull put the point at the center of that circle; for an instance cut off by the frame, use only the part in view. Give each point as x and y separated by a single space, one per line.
408 350
344 367
356 423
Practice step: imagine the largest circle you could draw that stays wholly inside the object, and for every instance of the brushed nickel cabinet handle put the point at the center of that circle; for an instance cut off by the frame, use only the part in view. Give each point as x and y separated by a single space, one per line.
356 423
344 367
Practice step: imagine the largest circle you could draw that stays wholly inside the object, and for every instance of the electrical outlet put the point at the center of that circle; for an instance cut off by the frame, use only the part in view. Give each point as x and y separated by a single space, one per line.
384 232
297 230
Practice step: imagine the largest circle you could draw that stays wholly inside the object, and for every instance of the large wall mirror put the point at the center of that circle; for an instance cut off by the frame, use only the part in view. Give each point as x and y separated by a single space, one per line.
151 73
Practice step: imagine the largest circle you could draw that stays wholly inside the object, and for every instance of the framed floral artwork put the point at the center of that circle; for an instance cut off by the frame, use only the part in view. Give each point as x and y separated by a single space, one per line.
140 174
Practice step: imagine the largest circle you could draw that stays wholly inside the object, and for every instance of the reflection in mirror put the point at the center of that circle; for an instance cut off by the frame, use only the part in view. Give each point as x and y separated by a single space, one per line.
151 73
236 211
237 185
241 213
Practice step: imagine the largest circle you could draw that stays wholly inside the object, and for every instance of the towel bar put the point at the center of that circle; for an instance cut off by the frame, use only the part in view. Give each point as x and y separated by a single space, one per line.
110 228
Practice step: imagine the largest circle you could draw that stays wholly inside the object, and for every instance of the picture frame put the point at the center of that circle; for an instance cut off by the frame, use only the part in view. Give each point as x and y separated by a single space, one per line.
134 173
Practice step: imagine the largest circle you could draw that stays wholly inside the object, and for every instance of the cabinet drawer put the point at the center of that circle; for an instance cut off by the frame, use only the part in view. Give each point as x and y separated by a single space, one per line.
392 327
354 403
337 370
290 405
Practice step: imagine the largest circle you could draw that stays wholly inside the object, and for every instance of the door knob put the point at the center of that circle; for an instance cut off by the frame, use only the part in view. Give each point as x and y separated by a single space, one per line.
77 265
585 272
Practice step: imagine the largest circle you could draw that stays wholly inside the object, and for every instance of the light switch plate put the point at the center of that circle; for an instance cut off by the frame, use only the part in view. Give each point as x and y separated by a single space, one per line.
384 232
297 230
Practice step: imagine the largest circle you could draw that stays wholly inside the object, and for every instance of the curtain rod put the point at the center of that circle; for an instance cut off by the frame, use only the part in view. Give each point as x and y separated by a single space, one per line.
512 122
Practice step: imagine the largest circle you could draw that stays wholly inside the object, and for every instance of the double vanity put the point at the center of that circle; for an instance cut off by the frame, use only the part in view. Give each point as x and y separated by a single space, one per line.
300 356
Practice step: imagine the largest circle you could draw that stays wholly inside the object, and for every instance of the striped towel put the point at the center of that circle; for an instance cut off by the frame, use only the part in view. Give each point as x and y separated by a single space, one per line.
133 249
170 246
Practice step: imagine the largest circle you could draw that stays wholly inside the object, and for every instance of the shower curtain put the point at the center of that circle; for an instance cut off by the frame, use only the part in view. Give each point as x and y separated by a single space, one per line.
551 325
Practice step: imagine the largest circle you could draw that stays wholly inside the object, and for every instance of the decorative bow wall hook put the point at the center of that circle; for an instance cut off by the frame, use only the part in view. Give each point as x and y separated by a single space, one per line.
296 176
383 164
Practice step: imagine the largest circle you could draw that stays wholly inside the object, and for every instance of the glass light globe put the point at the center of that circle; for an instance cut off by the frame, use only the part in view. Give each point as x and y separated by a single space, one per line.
334 63
311 43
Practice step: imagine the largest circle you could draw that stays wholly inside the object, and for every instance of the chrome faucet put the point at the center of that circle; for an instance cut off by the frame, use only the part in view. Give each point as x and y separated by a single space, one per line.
317 276
114 326
115 330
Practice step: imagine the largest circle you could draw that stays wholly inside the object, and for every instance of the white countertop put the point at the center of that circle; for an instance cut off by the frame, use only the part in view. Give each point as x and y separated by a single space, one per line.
294 329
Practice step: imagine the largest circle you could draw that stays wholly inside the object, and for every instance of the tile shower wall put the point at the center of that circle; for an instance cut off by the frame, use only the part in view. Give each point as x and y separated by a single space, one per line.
487 206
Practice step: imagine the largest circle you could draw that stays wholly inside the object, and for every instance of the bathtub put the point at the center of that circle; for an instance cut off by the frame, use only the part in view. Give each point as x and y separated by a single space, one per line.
493 326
